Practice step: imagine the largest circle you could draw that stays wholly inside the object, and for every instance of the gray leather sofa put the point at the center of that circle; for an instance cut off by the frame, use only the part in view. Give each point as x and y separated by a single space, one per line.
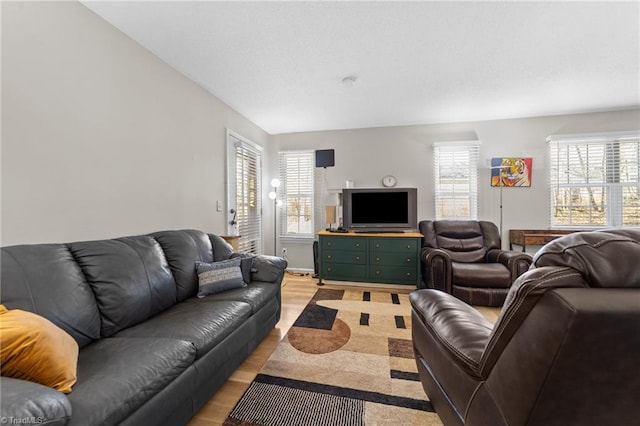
150 351
564 350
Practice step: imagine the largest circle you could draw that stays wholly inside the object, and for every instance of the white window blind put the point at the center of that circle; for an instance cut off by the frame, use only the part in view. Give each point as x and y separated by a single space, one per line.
245 192
456 179
594 180
297 190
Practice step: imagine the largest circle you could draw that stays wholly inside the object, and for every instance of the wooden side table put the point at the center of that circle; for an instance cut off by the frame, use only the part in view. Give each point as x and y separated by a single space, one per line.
535 237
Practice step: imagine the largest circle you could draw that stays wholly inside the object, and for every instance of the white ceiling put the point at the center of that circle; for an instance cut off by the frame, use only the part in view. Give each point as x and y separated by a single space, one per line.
281 64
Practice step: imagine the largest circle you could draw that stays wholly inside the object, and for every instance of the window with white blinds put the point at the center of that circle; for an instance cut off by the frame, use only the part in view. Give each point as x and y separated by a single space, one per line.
455 166
594 180
245 163
296 193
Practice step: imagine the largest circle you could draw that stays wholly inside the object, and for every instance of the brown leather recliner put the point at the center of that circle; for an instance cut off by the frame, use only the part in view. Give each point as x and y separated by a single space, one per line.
564 350
464 258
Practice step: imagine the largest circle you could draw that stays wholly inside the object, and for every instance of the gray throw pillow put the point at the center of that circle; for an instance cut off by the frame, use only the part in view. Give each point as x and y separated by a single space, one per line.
246 265
219 276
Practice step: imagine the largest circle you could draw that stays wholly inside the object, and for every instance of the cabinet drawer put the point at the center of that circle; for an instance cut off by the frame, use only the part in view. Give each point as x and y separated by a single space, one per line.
400 245
343 271
393 273
342 256
343 243
396 259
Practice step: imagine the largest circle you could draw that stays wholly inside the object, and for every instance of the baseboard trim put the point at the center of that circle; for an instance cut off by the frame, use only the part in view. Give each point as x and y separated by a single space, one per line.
300 271
369 285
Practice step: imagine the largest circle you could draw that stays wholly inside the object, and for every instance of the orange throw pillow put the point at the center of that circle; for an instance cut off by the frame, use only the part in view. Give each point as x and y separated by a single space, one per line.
35 349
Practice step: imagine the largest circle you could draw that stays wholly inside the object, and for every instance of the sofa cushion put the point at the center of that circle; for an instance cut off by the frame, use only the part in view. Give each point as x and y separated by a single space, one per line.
203 322
246 265
220 276
22 399
463 240
33 348
46 280
222 250
481 275
257 294
116 376
130 278
182 249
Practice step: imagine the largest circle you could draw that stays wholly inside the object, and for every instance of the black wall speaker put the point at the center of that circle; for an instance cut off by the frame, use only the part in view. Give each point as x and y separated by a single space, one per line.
325 158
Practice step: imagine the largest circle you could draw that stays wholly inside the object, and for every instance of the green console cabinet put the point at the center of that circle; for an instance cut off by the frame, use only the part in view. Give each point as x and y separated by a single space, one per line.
374 258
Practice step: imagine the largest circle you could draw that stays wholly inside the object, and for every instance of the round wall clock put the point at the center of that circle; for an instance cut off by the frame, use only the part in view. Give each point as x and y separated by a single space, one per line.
389 181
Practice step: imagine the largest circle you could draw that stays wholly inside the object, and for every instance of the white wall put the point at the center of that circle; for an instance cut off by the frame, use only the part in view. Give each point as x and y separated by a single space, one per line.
366 155
99 137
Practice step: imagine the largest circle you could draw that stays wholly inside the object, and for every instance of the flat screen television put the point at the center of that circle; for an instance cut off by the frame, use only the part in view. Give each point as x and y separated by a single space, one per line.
380 209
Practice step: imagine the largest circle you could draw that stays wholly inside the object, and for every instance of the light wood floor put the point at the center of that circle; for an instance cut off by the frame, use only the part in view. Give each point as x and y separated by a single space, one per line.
296 293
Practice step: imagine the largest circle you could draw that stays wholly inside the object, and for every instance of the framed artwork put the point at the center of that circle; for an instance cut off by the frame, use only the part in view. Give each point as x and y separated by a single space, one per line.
512 171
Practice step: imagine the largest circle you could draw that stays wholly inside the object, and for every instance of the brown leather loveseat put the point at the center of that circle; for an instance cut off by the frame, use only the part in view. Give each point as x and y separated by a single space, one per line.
565 349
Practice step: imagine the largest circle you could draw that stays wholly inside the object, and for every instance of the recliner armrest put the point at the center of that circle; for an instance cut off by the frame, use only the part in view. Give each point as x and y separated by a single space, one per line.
461 330
522 298
517 262
436 268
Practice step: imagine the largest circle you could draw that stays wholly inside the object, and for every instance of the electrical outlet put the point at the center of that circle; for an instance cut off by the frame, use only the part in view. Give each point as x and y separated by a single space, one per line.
284 250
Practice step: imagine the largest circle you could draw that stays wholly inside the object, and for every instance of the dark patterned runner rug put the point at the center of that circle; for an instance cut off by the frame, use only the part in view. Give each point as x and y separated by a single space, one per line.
347 360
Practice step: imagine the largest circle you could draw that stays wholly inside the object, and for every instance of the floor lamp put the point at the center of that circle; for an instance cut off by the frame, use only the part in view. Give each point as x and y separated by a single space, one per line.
500 169
273 195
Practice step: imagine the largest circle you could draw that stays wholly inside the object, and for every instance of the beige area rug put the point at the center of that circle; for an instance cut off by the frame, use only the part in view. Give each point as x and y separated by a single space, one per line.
347 360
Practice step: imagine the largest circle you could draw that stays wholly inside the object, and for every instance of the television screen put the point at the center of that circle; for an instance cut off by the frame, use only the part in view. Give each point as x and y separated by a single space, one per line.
380 209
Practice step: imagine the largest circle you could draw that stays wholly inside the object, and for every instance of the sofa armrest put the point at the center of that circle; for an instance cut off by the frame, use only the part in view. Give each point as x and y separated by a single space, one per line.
517 262
436 268
461 331
26 402
268 268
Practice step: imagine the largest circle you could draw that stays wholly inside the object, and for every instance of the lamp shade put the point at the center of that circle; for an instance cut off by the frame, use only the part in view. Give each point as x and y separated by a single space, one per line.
330 214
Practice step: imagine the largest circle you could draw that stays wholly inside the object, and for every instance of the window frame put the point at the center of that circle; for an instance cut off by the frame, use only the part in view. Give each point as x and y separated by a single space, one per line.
471 149
284 192
609 181
241 189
